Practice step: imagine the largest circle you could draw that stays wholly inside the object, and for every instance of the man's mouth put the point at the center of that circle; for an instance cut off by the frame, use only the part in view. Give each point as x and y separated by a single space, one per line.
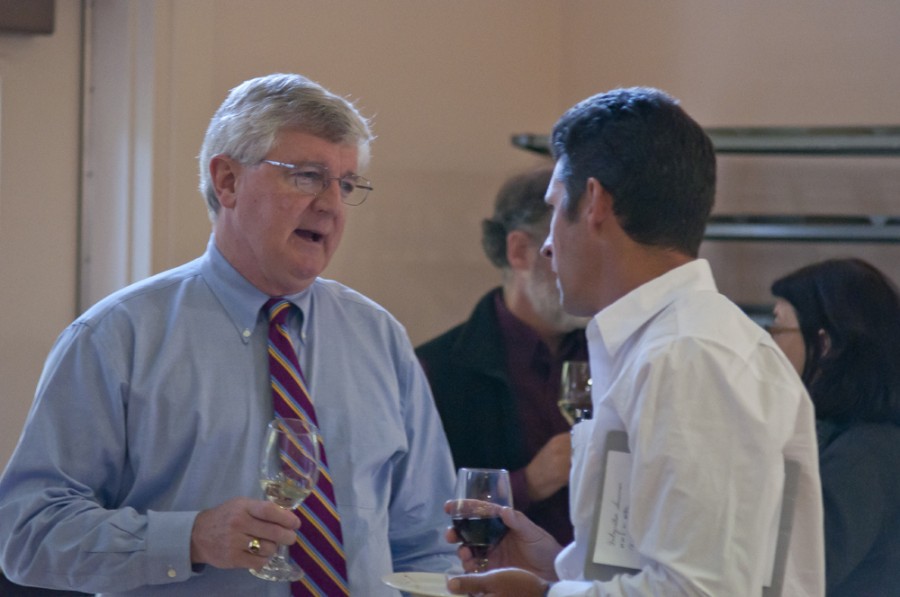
309 235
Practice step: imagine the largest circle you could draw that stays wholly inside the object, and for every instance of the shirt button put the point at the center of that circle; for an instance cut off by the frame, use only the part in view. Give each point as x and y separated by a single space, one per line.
172 573
246 333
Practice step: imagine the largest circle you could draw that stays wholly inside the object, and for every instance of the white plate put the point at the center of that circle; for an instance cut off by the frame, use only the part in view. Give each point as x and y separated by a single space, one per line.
427 584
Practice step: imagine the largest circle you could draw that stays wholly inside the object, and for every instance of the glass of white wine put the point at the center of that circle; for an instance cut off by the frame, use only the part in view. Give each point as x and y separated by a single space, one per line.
575 391
288 473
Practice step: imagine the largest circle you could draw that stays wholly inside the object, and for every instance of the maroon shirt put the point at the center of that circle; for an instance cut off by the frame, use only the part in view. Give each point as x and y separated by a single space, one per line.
535 382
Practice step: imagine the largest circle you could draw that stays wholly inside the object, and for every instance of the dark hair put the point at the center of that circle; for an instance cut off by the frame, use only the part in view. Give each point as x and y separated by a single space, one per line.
858 376
519 206
655 160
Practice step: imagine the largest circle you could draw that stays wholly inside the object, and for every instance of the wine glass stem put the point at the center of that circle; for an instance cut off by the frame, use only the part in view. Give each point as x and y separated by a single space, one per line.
282 552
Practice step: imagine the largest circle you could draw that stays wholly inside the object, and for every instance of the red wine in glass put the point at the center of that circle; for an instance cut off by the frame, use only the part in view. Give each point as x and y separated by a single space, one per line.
480 535
480 496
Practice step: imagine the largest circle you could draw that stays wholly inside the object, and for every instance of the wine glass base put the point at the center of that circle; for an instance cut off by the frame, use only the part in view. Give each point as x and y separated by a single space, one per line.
279 569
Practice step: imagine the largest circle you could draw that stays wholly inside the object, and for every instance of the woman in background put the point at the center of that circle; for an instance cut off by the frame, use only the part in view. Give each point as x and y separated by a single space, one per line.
838 322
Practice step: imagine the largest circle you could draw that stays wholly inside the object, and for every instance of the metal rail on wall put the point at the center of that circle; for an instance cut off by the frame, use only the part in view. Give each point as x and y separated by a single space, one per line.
812 141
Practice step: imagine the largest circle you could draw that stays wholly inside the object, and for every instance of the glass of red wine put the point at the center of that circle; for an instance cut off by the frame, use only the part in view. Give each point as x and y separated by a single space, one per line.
480 495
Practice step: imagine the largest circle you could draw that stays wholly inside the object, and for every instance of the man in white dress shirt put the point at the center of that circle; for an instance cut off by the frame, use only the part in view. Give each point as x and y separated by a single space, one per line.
711 408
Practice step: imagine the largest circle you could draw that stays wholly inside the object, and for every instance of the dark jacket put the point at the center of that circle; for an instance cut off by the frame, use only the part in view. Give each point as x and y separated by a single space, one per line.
860 470
466 367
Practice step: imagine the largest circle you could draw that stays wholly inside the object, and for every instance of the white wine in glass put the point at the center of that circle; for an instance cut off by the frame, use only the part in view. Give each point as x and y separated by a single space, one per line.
480 495
288 473
575 391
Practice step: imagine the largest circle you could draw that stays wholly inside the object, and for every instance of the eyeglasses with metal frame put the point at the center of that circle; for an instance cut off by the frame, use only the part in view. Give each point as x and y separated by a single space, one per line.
313 179
774 330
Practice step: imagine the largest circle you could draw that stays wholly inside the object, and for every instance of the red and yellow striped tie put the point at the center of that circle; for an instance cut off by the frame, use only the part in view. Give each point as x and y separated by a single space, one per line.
319 547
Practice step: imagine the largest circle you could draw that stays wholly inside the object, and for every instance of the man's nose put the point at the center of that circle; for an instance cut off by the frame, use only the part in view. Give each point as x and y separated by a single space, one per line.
332 193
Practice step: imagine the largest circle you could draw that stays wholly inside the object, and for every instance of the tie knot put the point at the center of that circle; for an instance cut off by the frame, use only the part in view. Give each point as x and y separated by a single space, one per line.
278 310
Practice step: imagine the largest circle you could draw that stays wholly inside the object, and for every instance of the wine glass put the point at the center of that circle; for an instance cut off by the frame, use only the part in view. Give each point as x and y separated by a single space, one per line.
480 495
288 473
575 391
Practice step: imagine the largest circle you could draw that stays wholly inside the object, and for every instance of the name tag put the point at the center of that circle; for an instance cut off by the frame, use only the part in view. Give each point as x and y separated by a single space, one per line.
613 551
613 544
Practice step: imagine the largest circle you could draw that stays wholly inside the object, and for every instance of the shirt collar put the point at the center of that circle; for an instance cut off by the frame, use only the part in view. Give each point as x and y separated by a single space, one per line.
241 299
616 323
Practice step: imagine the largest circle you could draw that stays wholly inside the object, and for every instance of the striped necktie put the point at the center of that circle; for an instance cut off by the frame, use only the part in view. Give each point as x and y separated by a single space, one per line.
319 547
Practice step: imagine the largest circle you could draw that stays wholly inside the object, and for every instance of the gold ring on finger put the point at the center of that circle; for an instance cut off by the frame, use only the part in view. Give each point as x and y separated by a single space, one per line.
253 546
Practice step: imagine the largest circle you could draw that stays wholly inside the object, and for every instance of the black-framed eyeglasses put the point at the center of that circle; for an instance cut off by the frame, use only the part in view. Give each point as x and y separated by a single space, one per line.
313 179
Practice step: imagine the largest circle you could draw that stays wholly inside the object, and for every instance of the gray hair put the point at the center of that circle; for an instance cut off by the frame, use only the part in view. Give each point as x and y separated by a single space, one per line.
519 206
247 123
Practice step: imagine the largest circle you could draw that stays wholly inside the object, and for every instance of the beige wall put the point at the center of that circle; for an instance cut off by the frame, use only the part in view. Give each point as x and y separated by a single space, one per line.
801 63
39 174
804 62
447 83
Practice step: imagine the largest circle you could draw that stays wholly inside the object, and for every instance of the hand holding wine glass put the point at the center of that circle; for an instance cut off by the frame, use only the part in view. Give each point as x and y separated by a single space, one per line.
475 510
288 473
575 391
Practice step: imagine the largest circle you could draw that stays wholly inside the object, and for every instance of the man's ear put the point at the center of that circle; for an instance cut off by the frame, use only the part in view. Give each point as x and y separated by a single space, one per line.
598 202
223 171
519 249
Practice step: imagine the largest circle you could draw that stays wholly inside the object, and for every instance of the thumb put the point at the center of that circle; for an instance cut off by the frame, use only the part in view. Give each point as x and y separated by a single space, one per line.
513 518
467 584
519 523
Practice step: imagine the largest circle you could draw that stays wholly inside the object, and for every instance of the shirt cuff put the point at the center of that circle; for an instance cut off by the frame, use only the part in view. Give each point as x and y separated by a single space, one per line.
169 546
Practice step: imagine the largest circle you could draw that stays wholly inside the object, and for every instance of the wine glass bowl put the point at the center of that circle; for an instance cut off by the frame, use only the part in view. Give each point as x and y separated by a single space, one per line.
575 391
289 470
475 510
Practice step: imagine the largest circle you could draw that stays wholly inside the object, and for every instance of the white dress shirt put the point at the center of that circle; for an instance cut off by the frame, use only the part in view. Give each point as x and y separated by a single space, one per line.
712 410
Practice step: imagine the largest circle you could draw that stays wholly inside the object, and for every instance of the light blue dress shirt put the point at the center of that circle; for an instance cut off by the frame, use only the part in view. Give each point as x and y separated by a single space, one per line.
152 407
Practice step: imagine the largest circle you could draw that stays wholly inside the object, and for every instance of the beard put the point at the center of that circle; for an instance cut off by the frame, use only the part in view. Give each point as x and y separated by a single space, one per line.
542 291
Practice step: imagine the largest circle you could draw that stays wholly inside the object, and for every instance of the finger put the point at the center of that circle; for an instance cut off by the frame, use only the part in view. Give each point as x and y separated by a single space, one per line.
268 521
263 548
269 512
449 506
466 584
510 517
469 564
272 533
518 522
515 519
254 546
243 557
451 536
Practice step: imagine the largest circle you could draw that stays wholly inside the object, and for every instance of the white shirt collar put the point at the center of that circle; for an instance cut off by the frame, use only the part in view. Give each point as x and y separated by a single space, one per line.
613 325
